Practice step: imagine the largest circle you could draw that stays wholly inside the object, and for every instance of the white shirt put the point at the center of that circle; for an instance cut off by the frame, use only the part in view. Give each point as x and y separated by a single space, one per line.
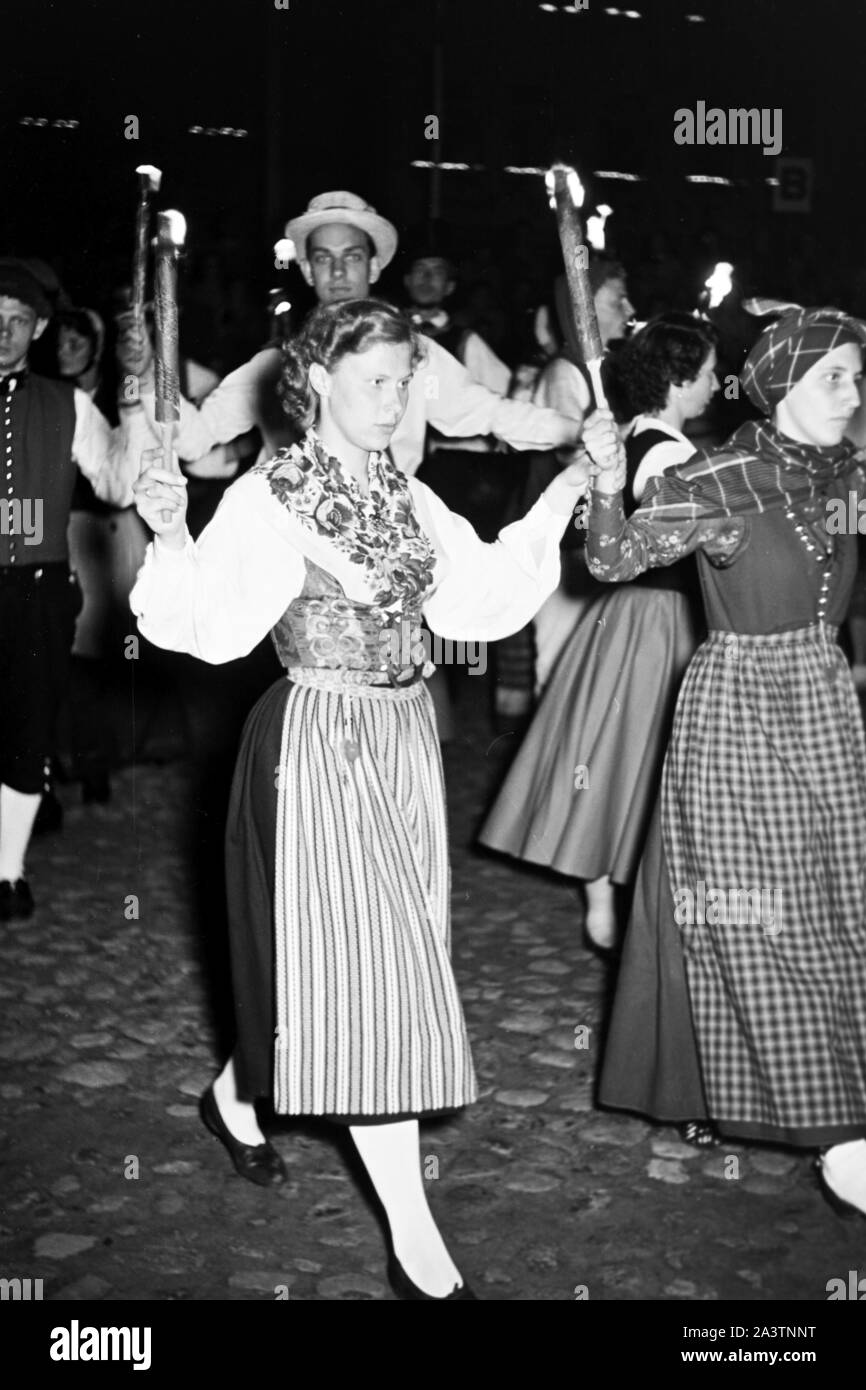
441 393
562 387
109 458
221 594
489 371
660 457
484 366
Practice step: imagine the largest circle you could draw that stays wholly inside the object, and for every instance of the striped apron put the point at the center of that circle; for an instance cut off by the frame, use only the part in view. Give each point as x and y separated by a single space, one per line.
367 1016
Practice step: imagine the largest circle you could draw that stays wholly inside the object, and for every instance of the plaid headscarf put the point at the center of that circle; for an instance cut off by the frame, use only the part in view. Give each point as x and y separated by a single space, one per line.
760 469
789 347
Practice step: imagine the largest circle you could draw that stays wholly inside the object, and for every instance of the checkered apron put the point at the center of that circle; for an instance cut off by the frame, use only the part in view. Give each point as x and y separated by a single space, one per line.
765 789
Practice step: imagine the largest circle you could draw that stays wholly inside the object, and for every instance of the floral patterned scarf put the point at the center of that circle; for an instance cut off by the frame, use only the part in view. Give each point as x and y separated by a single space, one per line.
379 532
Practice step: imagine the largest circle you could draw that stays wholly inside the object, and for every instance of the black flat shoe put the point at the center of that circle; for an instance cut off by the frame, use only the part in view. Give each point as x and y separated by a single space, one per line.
49 817
846 1210
609 954
404 1288
258 1163
16 900
96 787
699 1133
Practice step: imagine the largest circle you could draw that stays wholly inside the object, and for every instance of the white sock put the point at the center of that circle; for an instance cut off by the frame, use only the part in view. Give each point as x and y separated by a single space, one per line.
601 924
17 814
844 1169
239 1116
392 1158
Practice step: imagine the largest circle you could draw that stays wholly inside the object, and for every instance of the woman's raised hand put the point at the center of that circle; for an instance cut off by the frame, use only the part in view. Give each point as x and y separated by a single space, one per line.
602 441
569 485
160 498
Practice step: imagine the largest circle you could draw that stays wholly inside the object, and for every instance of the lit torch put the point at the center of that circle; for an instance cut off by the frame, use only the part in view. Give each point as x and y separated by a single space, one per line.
149 180
719 284
566 196
284 253
595 226
280 307
170 238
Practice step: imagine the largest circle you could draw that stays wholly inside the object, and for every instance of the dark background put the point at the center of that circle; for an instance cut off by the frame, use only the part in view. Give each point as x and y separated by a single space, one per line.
335 95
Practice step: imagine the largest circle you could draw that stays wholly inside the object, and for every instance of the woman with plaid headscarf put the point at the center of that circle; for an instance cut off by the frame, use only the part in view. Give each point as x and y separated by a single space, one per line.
761 869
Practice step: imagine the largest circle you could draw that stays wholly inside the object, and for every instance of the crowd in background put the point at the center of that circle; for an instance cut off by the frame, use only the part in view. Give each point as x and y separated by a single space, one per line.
501 291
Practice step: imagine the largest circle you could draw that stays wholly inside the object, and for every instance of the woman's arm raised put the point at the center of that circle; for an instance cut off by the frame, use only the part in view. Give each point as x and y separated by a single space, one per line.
216 597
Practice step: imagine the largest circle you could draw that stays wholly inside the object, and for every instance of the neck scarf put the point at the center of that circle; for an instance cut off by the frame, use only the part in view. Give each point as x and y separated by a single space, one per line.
379 532
437 319
758 470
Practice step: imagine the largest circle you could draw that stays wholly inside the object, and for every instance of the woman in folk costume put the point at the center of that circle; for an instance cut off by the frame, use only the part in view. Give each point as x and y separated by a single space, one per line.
764 790
579 795
337 859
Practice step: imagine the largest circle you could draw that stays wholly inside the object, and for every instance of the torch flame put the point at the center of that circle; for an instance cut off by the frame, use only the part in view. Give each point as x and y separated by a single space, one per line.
173 226
284 249
282 306
575 187
152 174
595 226
719 283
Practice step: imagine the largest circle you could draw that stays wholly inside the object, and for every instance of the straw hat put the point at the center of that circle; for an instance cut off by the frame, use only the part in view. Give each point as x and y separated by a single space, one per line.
344 207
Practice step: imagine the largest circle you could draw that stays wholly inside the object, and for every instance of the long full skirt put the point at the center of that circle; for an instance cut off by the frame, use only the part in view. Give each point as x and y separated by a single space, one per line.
339 912
579 795
764 829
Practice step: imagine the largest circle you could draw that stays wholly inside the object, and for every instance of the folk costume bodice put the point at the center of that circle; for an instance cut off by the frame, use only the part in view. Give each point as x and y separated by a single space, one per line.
295 549
756 514
323 628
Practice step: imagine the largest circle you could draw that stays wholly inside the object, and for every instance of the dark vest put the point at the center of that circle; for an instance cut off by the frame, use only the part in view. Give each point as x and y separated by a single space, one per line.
682 576
452 339
37 426
637 446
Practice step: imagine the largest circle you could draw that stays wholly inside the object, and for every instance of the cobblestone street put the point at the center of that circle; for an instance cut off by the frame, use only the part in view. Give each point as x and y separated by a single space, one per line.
111 1026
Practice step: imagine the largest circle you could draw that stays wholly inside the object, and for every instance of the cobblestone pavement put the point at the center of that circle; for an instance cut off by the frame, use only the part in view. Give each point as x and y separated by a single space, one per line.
114 1190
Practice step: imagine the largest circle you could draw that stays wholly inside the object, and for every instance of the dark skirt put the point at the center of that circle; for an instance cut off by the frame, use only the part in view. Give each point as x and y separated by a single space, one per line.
651 1060
251 836
338 895
580 793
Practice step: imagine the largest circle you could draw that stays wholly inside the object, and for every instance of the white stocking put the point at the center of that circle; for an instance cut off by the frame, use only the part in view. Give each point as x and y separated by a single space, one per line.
601 926
17 814
239 1116
844 1169
392 1158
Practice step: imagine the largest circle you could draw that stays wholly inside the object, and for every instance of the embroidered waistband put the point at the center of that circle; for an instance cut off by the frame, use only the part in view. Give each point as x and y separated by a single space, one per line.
360 682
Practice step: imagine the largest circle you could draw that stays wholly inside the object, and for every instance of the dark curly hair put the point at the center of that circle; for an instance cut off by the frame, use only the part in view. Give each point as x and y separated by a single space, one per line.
669 350
334 331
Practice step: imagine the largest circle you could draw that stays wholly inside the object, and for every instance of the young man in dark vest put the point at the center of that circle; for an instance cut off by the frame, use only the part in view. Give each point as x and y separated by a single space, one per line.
47 429
455 468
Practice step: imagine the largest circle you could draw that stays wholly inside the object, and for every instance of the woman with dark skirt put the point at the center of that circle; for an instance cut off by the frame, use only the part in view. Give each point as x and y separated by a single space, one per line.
337 857
580 793
761 874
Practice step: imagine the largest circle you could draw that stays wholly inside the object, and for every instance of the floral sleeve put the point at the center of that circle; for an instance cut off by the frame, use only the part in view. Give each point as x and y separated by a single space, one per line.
617 549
